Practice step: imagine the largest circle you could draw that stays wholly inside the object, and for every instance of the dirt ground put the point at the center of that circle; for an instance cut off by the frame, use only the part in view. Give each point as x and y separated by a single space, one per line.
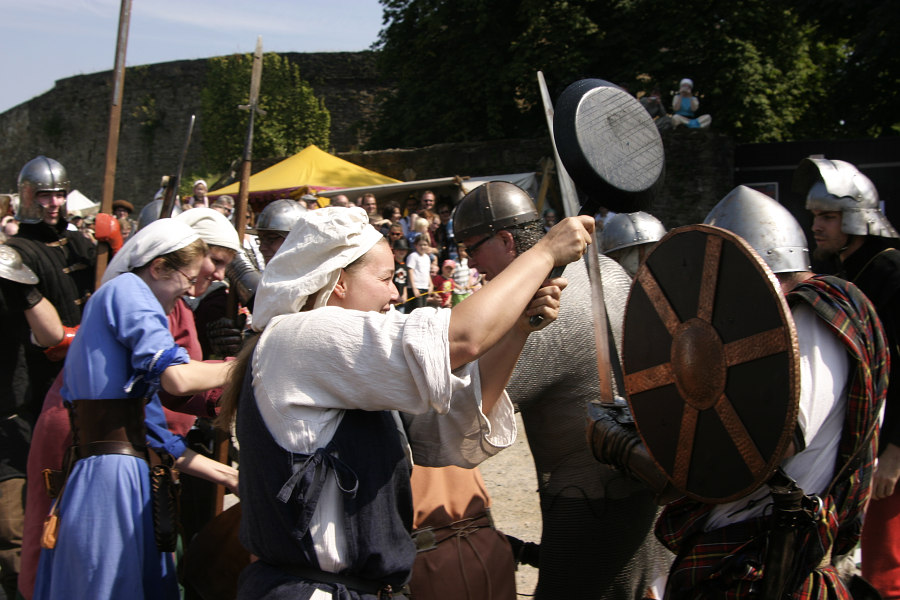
512 484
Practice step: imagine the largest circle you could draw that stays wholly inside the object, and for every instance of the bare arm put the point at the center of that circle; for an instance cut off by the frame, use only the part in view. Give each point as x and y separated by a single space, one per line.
195 377
199 466
484 318
44 322
887 471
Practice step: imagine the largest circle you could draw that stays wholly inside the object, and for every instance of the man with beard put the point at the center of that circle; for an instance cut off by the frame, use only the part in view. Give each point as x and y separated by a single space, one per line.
597 539
848 226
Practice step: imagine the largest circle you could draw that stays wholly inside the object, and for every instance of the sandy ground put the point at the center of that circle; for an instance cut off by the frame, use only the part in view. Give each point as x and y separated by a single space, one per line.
512 484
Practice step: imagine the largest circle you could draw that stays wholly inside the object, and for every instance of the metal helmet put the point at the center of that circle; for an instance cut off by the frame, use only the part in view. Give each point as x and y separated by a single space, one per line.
490 207
151 212
766 225
836 185
630 229
279 215
40 174
12 267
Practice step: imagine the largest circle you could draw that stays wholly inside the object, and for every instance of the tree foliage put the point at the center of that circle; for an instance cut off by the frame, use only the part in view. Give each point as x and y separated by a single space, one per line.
767 70
294 118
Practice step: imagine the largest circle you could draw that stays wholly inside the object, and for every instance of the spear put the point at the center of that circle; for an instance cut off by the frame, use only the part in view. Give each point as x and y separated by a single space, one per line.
112 141
240 207
223 438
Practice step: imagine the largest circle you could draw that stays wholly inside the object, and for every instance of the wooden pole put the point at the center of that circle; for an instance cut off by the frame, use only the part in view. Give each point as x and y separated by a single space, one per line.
223 438
112 141
240 206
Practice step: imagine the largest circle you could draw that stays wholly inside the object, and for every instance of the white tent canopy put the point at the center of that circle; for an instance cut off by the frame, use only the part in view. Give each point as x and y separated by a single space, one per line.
455 186
77 204
526 181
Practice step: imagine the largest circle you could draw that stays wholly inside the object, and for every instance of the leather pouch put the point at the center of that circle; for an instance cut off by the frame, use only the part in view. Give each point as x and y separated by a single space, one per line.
165 489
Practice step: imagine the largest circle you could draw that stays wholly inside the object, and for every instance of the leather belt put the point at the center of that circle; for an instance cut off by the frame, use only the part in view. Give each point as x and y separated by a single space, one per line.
427 538
358 584
126 448
108 426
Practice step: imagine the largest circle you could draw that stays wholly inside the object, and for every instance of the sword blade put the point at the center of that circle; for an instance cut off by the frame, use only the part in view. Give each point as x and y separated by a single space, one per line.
601 322
566 186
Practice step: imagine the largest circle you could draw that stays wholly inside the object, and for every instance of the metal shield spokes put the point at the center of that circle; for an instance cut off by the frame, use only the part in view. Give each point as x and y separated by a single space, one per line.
710 362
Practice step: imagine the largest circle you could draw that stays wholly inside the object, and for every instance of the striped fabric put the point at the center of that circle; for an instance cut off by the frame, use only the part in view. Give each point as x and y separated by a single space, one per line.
727 563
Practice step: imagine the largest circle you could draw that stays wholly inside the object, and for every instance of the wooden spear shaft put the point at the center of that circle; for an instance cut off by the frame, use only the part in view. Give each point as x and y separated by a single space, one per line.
112 141
223 438
240 207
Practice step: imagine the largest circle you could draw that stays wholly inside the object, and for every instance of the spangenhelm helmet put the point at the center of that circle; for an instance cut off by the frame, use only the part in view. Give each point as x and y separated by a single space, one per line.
766 225
490 207
40 174
279 215
836 185
630 229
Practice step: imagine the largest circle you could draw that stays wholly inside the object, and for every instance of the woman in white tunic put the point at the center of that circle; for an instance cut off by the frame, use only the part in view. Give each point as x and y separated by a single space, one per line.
324 455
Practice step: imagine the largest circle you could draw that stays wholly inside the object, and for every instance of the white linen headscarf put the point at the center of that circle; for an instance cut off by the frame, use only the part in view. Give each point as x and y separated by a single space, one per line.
159 237
213 227
319 245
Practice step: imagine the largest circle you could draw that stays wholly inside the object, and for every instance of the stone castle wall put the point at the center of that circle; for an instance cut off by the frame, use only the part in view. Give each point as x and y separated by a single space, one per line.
70 123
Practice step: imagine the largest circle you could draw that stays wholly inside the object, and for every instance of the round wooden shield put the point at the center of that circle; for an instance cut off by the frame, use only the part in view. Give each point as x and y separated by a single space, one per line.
710 363
608 143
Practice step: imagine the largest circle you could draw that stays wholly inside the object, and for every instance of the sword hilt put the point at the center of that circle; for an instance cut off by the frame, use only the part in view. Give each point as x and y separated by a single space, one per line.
536 320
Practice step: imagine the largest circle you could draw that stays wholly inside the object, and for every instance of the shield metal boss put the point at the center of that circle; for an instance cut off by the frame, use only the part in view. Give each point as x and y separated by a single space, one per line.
711 363
12 267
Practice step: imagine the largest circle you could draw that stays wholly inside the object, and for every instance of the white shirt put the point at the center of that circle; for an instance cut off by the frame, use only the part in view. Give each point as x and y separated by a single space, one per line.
420 265
310 367
824 375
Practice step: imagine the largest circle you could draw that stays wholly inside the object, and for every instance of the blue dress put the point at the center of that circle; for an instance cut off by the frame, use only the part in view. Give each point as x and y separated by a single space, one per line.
106 547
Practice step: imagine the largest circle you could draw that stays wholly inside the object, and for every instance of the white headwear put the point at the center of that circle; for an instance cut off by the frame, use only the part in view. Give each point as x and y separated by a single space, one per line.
156 239
686 82
213 227
320 244
198 182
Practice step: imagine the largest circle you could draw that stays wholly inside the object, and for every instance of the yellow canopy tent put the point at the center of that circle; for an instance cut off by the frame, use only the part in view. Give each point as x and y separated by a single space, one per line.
311 168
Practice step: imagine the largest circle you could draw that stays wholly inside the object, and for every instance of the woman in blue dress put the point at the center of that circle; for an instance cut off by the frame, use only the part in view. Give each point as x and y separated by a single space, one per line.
121 356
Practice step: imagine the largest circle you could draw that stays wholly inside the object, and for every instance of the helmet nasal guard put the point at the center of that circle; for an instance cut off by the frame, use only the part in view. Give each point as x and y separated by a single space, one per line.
40 174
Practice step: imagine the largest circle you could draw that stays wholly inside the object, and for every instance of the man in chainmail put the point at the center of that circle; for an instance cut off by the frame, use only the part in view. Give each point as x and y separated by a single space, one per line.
597 539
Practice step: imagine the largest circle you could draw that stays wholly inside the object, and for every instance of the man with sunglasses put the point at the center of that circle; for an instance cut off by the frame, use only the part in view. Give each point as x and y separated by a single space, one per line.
597 536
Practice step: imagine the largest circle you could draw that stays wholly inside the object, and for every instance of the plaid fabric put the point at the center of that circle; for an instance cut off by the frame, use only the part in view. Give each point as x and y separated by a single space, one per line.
727 562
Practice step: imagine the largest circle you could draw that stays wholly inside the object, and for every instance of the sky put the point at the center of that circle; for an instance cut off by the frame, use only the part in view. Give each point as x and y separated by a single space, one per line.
45 40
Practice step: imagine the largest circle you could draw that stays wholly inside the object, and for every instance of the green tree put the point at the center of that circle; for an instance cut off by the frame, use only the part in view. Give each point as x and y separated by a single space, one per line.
447 59
863 91
767 70
294 117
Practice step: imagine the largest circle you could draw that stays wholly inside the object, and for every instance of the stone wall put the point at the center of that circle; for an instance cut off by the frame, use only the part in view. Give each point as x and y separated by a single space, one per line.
698 173
70 123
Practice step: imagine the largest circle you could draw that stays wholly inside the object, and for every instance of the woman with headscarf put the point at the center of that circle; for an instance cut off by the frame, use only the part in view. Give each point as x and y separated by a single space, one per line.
325 458
104 546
